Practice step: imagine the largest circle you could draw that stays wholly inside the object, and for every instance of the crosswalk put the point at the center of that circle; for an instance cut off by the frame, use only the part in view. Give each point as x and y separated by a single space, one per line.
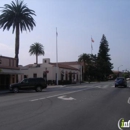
99 86
104 86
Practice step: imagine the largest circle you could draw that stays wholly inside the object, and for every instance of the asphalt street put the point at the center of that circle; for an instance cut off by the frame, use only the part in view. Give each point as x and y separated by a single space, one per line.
94 106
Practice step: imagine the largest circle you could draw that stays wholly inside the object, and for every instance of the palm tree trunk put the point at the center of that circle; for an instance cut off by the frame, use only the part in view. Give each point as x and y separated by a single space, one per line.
36 59
17 45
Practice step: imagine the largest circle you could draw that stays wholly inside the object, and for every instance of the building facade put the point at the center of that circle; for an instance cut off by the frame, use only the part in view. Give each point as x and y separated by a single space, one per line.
69 71
8 71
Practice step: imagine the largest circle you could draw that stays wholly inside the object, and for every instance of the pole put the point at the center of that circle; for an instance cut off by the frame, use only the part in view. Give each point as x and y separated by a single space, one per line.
91 45
91 48
56 58
118 69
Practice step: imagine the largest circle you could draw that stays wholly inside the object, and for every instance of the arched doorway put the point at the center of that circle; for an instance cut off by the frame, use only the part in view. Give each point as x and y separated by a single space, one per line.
45 75
62 75
66 76
70 76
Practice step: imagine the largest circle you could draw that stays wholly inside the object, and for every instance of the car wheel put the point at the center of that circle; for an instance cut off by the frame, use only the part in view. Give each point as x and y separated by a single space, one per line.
38 89
45 86
15 90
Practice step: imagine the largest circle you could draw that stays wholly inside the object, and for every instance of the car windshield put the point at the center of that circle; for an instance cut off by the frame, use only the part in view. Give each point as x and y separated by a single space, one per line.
120 79
24 81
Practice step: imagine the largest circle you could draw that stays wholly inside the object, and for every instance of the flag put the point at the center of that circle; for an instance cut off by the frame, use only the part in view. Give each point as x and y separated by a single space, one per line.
92 40
56 33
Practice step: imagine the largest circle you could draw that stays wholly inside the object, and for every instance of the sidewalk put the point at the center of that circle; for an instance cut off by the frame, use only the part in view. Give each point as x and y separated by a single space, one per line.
4 91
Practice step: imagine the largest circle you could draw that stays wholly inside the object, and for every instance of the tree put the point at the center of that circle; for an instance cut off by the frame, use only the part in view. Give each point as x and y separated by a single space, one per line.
91 70
104 65
18 16
85 58
36 49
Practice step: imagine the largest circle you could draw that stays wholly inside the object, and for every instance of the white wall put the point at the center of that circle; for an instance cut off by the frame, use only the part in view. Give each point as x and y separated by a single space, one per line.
52 71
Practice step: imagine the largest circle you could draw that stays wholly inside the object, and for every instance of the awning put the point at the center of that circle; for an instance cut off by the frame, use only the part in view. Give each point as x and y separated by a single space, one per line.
10 71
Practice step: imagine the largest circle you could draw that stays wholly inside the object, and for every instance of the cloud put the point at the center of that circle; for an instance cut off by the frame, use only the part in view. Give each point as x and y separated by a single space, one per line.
5 47
6 50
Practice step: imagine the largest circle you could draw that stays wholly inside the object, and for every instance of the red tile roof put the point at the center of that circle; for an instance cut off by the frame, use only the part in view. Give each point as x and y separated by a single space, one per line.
64 66
29 65
71 63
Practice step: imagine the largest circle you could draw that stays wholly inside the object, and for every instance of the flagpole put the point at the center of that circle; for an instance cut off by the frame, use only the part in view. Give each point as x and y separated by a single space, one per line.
56 58
91 45
91 48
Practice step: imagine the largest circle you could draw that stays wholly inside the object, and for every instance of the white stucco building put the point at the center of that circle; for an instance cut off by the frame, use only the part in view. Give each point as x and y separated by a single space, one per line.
71 71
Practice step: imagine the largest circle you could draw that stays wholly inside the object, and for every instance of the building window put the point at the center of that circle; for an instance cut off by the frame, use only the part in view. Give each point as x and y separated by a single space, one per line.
35 75
66 76
77 77
62 77
45 61
73 75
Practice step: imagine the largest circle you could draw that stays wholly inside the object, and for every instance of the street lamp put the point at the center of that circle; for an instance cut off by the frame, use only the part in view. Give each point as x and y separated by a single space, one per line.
118 69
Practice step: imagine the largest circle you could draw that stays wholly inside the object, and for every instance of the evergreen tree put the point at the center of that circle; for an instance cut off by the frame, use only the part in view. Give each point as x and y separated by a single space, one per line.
104 65
91 70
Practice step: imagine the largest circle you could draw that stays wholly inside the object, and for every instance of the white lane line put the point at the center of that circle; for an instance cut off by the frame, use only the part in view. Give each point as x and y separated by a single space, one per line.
98 87
128 100
34 100
105 86
113 86
58 95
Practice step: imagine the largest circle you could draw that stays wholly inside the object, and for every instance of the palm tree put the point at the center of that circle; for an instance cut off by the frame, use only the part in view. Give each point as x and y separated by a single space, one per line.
85 58
36 49
18 16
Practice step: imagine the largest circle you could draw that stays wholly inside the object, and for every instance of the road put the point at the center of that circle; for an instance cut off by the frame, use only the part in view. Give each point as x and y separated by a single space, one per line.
94 106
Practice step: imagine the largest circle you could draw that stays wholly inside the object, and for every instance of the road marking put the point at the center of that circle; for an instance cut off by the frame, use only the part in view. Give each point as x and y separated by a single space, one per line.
65 98
97 86
34 100
59 95
113 86
105 86
128 100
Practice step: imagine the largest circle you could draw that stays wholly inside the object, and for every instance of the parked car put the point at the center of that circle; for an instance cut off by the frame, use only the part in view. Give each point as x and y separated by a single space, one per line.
36 84
120 81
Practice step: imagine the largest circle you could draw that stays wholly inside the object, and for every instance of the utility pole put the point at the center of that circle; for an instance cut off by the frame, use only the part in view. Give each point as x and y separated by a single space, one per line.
118 69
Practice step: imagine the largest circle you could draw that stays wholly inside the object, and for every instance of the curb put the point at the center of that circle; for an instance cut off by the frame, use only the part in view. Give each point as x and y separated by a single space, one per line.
4 91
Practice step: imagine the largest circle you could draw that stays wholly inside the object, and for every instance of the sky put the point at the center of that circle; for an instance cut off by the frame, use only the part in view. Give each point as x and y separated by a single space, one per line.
76 21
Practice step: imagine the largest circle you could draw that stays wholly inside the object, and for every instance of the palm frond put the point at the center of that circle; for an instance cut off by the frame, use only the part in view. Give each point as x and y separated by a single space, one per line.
36 49
17 13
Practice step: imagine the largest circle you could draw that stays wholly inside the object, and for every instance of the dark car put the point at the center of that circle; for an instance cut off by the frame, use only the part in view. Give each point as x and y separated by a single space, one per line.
120 81
36 84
